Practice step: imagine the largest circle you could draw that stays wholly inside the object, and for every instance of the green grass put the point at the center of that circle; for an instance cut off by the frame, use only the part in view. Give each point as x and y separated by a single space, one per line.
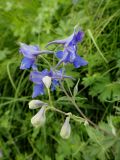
98 96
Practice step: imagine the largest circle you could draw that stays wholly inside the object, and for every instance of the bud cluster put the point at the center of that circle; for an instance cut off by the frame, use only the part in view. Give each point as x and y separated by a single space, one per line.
39 119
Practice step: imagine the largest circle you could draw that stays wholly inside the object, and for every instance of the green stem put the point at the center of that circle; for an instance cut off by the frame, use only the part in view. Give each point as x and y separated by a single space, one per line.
50 100
78 109
74 117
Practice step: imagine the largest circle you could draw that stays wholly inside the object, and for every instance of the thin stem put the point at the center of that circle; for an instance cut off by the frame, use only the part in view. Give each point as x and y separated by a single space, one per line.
83 115
55 109
87 119
50 100
78 109
46 52
45 60
74 117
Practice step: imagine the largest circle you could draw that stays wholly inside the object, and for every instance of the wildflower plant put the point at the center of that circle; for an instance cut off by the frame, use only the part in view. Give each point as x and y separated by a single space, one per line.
50 79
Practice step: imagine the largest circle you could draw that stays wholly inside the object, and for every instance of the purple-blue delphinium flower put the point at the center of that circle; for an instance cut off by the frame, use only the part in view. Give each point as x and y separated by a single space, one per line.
36 77
30 53
69 54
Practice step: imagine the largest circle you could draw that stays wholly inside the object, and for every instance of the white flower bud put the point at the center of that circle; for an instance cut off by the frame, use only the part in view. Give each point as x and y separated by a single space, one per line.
39 119
47 81
66 129
33 104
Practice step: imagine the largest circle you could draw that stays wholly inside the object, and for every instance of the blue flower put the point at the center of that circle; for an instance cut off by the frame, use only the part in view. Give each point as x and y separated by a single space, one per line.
30 53
69 53
37 78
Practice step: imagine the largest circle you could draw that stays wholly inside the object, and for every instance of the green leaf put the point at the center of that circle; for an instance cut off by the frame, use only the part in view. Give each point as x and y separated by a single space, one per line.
75 91
117 151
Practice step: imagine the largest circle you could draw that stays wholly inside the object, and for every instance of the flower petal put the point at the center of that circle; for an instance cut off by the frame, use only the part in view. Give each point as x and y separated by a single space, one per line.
66 58
79 36
72 53
55 83
38 90
36 77
59 75
59 54
29 51
45 72
26 63
78 62
34 67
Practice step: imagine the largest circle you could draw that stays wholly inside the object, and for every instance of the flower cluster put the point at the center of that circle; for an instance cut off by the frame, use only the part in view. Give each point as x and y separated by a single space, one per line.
39 119
51 78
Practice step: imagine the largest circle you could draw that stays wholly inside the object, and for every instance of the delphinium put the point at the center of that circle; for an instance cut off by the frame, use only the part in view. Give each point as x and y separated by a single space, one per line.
50 79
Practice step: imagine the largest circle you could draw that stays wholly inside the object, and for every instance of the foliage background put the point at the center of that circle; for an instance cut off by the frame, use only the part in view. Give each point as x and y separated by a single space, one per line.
38 22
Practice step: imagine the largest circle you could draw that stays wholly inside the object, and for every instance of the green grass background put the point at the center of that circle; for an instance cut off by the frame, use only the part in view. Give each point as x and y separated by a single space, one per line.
98 96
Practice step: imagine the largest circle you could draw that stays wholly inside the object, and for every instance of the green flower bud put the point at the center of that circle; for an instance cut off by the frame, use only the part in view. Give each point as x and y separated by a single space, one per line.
33 104
66 129
39 119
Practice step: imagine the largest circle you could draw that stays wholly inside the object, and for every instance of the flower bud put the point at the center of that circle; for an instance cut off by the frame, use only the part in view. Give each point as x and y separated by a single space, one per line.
33 104
47 81
66 129
86 123
39 119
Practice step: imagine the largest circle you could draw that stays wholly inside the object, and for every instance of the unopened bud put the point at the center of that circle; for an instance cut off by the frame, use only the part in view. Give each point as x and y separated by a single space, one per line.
86 123
33 104
39 119
47 81
66 129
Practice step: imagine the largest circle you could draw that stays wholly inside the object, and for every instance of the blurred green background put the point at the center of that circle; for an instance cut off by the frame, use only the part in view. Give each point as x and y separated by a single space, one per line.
38 22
